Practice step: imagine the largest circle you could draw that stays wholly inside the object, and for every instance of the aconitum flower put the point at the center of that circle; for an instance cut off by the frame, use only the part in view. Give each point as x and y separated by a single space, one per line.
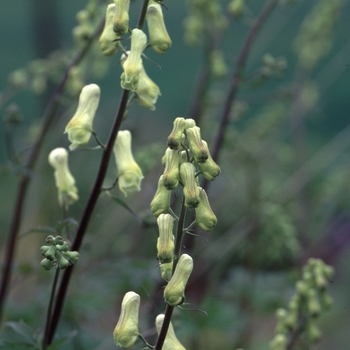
171 342
176 136
174 292
197 147
158 36
65 183
133 63
209 168
129 173
191 189
165 241
126 331
205 217
79 127
121 17
171 160
161 200
107 41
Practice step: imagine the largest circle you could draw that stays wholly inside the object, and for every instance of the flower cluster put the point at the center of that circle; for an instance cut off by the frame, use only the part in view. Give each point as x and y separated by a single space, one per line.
56 253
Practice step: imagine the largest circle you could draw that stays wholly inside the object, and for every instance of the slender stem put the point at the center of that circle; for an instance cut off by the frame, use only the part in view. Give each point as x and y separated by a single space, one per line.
296 334
49 309
165 326
47 120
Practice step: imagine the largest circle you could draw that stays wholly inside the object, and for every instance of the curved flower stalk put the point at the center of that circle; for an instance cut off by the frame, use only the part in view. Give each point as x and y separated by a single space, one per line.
191 189
126 331
171 342
209 168
121 17
158 36
107 41
205 217
129 173
174 292
133 64
65 183
161 200
165 242
79 127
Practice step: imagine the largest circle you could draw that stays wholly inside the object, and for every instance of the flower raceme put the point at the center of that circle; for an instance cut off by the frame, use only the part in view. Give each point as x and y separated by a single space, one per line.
79 127
65 183
158 36
107 42
171 342
126 331
133 63
129 173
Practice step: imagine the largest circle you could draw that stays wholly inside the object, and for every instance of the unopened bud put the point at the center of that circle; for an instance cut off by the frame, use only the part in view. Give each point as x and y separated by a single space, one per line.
165 242
166 271
107 41
65 183
191 189
197 147
161 200
126 331
174 292
190 123
79 127
121 17
176 135
158 35
171 342
171 160
205 217
129 173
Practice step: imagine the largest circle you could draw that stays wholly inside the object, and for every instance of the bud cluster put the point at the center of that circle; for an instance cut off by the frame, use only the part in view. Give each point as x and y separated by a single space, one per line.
56 253
310 299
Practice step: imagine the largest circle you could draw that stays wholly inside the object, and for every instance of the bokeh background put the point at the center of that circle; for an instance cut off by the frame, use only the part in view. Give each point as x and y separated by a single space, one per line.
282 197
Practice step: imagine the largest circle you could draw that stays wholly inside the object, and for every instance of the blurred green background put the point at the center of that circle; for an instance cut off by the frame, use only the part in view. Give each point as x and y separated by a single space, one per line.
292 187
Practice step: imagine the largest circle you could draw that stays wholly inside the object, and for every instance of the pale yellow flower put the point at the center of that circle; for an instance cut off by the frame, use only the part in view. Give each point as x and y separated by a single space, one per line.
121 17
107 41
205 217
171 342
161 200
165 241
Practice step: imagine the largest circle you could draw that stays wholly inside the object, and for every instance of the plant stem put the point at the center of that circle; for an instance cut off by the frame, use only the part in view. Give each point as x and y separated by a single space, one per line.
165 326
49 309
47 119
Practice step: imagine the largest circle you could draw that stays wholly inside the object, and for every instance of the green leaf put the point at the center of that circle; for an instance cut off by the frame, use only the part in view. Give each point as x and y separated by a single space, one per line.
62 340
124 205
62 224
24 330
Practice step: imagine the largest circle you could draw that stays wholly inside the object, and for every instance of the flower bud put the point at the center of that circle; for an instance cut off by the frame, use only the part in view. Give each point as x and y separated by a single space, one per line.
197 147
236 8
171 171
126 331
129 173
205 217
209 168
72 257
107 42
313 304
133 64
61 260
161 200
46 264
158 35
147 91
190 123
279 342
165 242
121 17
166 271
174 292
176 135
191 189
79 127
65 183
171 342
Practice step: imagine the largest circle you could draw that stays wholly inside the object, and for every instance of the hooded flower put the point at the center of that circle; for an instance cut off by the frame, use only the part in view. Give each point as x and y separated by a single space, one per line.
65 183
191 189
133 63
158 35
209 168
205 217
121 17
129 173
126 331
171 342
161 200
197 147
165 242
174 292
107 41
171 160
79 127
176 136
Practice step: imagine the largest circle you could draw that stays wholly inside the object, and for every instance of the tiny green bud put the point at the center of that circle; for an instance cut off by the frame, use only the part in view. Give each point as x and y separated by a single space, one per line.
47 264
126 331
121 17
161 200
171 171
171 342
326 300
176 135
129 173
165 242
174 292
65 183
236 8
133 63
218 66
61 260
314 306
209 168
197 147
158 35
107 41
205 217
166 271
72 257
191 189
313 333
79 127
